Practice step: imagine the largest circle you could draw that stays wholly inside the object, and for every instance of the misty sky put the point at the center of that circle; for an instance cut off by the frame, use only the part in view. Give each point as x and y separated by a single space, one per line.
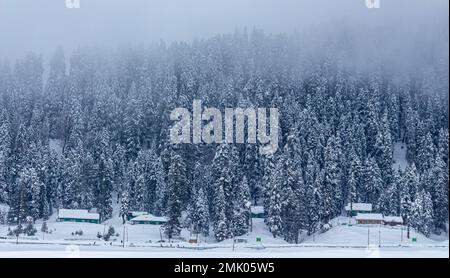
43 25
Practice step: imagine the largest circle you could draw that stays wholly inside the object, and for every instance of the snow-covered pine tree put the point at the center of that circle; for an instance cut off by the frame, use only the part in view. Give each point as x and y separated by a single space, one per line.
411 181
203 213
76 126
425 153
70 188
383 151
53 177
105 177
88 181
372 125
372 181
310 197
435 181
221 229
35 186
411 123
422 213
176 179
125 203
198 213
274 209
242 202
27 196
332 187
133 123
252 169
443 147
225 178
5 150
269 172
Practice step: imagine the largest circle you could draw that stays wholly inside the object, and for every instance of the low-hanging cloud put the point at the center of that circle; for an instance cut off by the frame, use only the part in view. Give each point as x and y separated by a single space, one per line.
397 29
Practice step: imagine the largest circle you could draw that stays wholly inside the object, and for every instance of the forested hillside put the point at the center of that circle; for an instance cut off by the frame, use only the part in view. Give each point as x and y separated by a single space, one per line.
108 110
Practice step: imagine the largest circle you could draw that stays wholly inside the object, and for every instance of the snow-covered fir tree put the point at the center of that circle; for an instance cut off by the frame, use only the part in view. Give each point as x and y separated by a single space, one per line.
175 181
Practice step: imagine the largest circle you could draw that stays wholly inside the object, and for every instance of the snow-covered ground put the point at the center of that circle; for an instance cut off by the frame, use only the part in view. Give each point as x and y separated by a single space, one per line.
56 146
72 251
342 240
346 232
400 156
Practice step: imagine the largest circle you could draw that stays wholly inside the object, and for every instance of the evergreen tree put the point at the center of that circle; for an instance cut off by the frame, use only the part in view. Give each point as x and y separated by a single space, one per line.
176 179
198 213
422 213
443 145
383 151
27 196
269 173
332 187
221 228
411 124
372 181
125 203
274 221
310 197
132 124
411 181
69 191
436 183
105 178
5 150
242 202
425 153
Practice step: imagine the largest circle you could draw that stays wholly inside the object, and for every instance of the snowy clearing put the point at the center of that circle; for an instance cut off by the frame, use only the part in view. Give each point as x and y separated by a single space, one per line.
343 240
399 156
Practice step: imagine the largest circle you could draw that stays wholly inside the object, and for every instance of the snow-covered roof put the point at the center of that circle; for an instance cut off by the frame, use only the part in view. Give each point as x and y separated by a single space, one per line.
78 214
397 219
149 217
359 206
137 213
369 216
257 209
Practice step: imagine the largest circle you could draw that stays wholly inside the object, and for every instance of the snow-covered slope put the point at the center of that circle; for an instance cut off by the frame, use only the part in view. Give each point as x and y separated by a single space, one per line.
400 156
363 235
259 230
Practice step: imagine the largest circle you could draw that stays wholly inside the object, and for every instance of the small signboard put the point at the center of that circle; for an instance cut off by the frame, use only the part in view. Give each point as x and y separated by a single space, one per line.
258 239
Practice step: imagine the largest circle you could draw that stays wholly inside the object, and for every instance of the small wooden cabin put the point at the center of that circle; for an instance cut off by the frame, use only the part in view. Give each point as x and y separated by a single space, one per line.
257 212
132 214
369 218
148 219
78 215
393 220
353 209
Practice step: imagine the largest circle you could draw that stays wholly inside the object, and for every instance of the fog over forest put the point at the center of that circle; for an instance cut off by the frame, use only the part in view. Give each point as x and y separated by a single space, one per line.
86 96
401 31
